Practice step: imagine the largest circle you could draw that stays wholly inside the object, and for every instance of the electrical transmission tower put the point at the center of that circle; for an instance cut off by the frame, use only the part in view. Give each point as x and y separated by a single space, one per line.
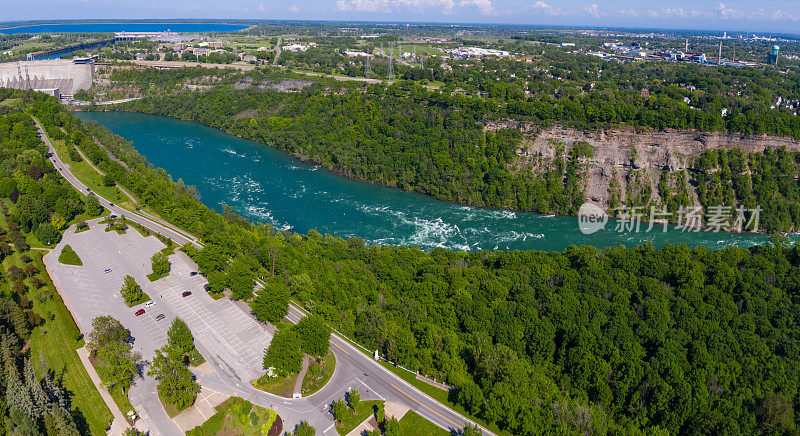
368 70
391 60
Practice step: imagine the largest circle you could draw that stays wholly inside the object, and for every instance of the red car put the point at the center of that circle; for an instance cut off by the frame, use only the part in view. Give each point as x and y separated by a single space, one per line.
139 312
186 293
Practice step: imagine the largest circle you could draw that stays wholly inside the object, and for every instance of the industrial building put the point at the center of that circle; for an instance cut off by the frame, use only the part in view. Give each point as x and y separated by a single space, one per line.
56 77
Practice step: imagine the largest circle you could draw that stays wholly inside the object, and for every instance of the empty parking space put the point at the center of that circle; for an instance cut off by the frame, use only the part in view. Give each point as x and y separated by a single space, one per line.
92 290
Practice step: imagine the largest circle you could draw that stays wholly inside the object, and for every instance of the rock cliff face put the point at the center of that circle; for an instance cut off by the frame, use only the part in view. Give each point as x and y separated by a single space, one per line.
627 161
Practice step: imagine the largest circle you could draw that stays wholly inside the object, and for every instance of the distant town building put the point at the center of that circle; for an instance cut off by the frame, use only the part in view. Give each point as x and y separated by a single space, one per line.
467 52
298 47
355 54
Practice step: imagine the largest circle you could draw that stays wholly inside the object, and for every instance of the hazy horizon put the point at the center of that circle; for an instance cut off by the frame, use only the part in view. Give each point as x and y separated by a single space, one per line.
779 16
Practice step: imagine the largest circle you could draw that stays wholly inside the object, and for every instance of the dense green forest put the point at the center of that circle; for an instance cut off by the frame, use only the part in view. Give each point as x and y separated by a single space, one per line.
425 141
615 341
405 137
37 204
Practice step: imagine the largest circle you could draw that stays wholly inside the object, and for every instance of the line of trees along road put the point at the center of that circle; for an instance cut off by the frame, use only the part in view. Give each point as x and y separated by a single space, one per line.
613 341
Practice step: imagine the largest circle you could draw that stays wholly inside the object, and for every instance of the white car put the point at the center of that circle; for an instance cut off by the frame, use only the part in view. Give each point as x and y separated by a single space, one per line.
150 303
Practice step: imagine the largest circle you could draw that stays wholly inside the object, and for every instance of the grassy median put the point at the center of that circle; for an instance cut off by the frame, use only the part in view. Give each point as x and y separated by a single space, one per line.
68 256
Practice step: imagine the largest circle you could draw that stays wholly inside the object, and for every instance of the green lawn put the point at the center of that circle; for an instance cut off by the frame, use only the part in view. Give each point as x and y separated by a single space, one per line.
68 256
121 398
413 423
282 386
364 410
236 416
318 374
56 340
91 178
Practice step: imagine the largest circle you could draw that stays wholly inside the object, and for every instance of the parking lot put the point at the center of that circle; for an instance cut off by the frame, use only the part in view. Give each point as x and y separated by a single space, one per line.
228 337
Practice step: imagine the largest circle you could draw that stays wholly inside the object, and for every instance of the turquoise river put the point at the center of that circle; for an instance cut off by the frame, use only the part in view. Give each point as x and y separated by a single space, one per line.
267 185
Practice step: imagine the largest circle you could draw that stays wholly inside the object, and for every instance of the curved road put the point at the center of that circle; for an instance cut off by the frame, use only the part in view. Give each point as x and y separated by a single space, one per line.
354 368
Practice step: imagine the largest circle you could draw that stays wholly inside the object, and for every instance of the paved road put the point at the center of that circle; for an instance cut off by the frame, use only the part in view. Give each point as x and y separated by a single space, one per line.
65 172
233 364
277 51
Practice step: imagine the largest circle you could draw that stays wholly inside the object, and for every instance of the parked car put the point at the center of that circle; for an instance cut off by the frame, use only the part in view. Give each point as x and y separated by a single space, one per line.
193 273
139 312
112 216
186 293
160 317
150 303
107 270
207 288
111 204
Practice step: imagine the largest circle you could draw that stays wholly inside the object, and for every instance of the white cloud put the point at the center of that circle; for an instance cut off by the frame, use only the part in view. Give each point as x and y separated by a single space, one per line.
363 5
783 15
544 8
755 14
261 7
594 10
294 9
627 13
668 13
387 6
727 12
700 14
485 6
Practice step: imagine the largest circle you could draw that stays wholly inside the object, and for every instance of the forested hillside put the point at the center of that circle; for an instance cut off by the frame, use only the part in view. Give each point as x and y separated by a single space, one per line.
614 341
408 137
44 389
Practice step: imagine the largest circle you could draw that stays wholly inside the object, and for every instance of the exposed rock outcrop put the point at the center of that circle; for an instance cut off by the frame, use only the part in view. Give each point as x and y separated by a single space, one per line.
632 159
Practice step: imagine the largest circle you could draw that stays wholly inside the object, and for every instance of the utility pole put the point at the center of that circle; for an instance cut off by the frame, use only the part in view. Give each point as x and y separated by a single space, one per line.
719 57
391 60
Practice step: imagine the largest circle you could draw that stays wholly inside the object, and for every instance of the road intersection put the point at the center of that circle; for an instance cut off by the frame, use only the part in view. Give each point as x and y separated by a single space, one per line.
226 334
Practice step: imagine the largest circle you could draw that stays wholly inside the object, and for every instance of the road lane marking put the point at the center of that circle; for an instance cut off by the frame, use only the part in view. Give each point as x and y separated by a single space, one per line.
334 343
415 400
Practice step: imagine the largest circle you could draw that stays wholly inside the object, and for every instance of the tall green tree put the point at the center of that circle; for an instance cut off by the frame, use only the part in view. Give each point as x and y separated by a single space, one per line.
131 291
284 352
160 264
314 335
176 384
271 303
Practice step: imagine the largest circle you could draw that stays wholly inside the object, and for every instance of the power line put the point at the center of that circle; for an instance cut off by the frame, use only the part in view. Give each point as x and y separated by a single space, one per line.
391 60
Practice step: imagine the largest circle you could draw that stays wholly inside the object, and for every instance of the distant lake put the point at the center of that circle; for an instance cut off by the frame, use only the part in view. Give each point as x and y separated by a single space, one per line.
125 27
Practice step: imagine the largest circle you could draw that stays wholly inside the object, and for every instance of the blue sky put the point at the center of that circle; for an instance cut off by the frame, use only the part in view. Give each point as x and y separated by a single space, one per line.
732 15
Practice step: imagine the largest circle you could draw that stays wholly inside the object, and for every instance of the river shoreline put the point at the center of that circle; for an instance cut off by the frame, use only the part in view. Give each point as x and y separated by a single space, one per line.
341 173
